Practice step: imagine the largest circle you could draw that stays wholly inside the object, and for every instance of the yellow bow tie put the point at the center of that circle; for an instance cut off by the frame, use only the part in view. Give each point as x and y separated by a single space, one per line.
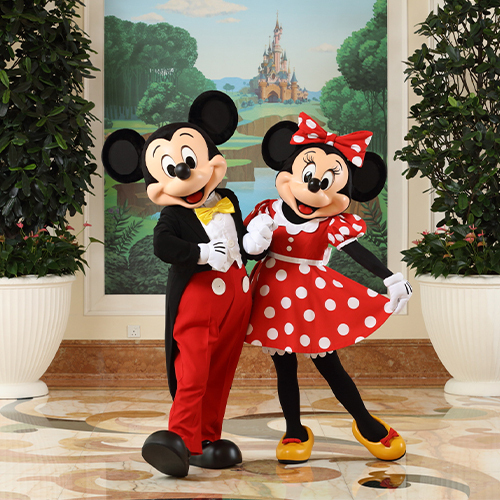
205 214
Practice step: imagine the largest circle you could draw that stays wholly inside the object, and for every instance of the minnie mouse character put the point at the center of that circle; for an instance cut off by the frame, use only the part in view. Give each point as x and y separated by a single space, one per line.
299 304
201 234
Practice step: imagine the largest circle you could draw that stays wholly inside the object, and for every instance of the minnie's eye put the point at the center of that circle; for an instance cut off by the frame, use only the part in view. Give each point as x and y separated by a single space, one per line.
308 172
327 180
189 157
168 165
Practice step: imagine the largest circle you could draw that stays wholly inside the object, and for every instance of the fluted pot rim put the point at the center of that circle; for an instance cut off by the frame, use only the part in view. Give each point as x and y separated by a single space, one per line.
35 279
474 279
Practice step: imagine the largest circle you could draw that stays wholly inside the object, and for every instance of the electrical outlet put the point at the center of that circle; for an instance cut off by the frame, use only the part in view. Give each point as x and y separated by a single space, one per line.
133 331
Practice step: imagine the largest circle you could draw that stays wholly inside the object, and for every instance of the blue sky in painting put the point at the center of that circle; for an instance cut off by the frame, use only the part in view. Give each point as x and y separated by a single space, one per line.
232 36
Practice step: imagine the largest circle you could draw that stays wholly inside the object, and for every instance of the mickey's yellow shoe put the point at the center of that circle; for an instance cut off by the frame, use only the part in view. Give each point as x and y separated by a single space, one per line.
293 451
392 447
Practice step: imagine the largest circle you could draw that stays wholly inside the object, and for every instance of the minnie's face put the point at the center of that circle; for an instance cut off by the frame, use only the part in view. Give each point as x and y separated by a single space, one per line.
183 170
312 189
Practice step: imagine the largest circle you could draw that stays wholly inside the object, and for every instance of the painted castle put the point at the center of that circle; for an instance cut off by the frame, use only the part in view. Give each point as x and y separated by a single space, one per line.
276 82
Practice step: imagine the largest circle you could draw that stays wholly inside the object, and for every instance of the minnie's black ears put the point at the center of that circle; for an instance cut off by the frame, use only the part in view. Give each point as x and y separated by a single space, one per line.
369 180
216 113
276 147
121 155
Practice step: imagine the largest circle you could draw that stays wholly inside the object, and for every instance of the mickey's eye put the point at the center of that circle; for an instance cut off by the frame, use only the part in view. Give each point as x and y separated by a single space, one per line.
308 172
327 180
168 165
189 157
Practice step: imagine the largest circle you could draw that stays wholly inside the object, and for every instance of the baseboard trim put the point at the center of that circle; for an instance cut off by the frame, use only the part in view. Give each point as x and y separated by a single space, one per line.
141 363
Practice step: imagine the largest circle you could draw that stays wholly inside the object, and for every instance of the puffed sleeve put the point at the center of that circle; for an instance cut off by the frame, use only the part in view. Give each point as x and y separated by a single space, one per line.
344 229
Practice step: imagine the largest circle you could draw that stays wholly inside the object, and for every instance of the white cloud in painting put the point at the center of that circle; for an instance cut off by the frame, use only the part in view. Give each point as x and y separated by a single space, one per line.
201 8
324 47
229 20
152 17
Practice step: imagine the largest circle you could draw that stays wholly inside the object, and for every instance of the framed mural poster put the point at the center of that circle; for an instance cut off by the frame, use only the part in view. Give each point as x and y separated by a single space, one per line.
339 64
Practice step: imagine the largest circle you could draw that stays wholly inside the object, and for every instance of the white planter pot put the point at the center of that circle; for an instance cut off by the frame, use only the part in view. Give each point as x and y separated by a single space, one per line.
462 317
34 313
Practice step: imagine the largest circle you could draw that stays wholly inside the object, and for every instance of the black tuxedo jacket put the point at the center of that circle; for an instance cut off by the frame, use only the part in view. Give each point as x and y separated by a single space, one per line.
176 238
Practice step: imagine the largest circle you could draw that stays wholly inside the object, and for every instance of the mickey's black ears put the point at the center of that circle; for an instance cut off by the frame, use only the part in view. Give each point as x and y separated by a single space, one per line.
216 113
121 155
276 147
369 180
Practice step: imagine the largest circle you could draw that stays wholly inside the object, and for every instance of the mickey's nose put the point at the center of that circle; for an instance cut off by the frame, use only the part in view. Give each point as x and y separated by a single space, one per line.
182 171
314 185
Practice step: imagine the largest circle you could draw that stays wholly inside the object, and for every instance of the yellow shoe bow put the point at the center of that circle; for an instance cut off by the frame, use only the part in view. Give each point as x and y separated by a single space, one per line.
205 214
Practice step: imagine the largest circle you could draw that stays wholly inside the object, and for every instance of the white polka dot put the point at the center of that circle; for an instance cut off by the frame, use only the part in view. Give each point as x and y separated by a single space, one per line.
286 302
245 284
320 283
298 138
310 123
332 221
269 312
272 334
290 240
288 349
304 268
359 339
388 308
322 268
368 139
281 275
361 234
324 343
371 293
312 136
288 249
257 343
301 292
305 340
338 284
299 121
356 217
264 290
344 230
288 328
218 286
370 322
343 329
339 237
330 143
270 263
309 315
330 305
357 161
356 147
353 303
357 227
249 329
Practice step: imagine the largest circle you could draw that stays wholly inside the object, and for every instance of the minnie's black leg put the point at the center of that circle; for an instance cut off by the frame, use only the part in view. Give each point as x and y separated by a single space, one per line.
347 393
289 394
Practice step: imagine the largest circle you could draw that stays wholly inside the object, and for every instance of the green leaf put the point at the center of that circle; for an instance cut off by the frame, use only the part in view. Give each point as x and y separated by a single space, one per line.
463 201
453 102
4 78
60 141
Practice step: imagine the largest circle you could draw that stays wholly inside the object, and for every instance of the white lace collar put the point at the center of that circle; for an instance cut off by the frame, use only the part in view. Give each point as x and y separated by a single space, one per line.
308 227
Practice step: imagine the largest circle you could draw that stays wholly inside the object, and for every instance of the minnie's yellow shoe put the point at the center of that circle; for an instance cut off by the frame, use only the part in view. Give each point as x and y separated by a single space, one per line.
392 447
293 451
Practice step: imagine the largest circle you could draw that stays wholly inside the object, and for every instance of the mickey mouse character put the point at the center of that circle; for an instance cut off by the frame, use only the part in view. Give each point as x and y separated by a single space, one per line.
299 304
200 232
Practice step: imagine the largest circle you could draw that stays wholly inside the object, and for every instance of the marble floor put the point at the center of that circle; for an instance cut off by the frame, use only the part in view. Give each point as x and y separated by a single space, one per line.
86 444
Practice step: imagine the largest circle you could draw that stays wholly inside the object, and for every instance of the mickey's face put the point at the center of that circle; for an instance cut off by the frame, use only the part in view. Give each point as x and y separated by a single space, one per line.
312 189
185 174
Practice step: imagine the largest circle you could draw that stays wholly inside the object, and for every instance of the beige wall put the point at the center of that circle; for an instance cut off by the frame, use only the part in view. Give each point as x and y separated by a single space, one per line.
407 326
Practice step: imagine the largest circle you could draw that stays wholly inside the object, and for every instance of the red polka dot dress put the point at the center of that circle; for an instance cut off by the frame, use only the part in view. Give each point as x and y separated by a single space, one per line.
299 304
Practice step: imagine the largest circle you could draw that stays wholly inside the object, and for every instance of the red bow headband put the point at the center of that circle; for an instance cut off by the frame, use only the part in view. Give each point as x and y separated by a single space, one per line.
352 146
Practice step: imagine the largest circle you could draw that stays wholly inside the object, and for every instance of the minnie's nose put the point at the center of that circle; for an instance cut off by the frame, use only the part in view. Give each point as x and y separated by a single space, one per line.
314 185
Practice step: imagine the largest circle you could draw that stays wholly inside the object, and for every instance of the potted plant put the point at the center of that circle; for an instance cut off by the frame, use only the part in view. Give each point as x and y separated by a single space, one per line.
455 143
45 171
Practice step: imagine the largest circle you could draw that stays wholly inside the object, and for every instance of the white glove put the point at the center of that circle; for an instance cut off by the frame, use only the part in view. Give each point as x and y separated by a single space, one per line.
399 291
260 233
215 254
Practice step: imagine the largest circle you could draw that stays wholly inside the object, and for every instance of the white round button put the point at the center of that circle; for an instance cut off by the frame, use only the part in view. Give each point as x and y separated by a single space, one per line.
245 284
230 243
218 286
